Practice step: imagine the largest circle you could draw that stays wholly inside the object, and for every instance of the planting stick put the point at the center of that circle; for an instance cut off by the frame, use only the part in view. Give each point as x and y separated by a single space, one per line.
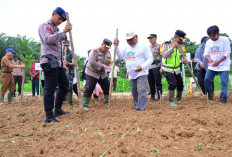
191 72
75 61
112 72
40 84
22 85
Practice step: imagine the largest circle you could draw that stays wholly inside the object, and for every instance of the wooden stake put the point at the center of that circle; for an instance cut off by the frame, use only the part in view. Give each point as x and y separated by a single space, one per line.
75 61
112 72
191 72
22 85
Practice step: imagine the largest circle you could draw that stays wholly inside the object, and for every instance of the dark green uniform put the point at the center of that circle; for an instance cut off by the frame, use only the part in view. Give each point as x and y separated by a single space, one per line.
70 75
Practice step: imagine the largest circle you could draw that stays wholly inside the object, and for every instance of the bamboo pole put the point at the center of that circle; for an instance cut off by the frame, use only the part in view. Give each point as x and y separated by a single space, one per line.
75 61
22 85
191 72
112 72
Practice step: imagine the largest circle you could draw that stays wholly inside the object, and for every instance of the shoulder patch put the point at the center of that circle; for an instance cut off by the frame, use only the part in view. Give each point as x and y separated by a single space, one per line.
94 52
49 30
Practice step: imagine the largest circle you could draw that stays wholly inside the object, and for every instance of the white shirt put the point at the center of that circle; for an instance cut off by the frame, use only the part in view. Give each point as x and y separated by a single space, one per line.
216 50
116 71
137 55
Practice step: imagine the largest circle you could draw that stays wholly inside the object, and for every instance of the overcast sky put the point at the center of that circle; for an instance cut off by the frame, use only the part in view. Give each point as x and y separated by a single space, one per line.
94 20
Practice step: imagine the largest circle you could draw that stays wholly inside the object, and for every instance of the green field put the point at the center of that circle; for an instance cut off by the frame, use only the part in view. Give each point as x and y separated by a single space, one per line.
123 85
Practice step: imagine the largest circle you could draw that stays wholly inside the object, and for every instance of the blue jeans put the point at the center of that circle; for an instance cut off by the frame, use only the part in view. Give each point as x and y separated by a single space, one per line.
209 78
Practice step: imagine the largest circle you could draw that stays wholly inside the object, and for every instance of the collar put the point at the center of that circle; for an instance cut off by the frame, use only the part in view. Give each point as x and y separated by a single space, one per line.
135 45
50 22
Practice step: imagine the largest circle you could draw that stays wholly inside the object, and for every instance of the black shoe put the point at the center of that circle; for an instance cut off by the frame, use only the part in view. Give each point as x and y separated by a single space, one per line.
221 101
51 119
57 114
149 93
152 98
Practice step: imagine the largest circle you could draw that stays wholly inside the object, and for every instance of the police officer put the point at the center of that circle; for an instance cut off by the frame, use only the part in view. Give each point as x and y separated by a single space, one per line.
7 77
52 63
172 55
99 59
68 60
154 75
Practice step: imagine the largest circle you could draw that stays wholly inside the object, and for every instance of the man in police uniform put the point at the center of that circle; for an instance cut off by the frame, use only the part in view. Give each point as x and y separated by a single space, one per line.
52 63
99 59
6 78
154 76
68 60
172 55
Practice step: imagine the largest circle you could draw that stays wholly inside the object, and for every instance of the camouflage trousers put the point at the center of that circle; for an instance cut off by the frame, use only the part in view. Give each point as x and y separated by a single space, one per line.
70 83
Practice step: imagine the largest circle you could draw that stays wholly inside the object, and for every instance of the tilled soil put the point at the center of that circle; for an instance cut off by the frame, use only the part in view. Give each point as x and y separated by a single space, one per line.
193 128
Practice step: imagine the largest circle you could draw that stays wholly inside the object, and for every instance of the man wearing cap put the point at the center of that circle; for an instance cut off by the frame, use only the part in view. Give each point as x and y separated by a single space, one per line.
98 62
17 74
154 76
34 77
7 77
52 63
138 60
172 55
69 62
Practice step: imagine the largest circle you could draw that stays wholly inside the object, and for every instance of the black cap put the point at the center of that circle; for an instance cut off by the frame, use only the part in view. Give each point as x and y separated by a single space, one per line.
107 42
35 57
61 12
152 36
181 34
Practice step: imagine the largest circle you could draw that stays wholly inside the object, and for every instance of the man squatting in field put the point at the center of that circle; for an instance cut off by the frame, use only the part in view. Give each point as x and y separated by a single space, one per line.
138 60
7 79
52 64
99 59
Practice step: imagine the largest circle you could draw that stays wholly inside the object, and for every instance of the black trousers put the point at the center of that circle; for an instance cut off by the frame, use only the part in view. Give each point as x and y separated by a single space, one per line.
154 80
54 77
91 84
201 79
18 80
115 80
174 81
42 83
75 89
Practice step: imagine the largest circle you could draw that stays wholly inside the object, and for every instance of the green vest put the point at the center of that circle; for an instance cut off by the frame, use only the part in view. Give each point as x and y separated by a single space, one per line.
172 63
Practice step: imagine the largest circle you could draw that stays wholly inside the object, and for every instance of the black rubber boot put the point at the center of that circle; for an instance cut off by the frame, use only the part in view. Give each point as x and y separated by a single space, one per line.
106 100
85 103
179 96
171 98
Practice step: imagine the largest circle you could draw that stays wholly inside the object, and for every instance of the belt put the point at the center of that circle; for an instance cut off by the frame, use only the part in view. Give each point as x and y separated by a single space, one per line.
6 72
